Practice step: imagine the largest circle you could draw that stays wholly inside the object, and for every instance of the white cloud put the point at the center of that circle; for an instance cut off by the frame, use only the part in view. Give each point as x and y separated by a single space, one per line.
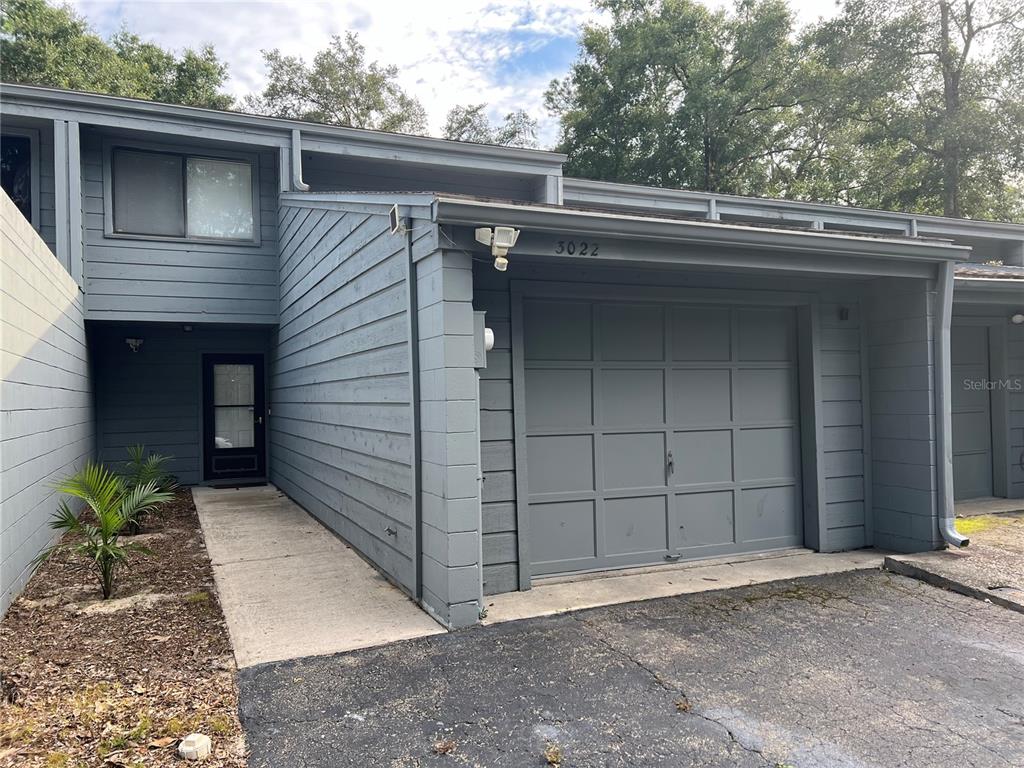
448 52
502 52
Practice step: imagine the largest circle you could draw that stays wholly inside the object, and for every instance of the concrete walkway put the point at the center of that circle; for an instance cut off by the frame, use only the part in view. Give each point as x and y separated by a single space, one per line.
289 588
594 590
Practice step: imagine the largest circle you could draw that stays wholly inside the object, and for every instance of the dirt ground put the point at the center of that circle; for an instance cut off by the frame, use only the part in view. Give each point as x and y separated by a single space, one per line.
120 682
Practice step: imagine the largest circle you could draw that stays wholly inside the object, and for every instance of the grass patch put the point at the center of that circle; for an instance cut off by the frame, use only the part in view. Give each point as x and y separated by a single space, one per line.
971 525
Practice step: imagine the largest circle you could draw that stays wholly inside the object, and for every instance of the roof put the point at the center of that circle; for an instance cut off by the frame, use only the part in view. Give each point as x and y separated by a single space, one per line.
715 205
119 111
989 272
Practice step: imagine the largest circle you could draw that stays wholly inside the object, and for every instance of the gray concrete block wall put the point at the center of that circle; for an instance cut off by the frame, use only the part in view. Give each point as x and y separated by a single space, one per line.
449 438
46 394
901 359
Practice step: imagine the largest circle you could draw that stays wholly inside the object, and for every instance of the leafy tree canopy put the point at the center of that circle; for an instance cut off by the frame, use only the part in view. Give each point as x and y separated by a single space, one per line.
903 104
339 87
470 123
50 45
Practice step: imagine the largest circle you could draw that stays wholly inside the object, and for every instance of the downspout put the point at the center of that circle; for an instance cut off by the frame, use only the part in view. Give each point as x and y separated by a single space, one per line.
297 183
414 390
943 404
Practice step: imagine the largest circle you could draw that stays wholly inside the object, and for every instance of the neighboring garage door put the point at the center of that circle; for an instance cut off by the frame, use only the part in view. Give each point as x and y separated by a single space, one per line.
972 413
658 431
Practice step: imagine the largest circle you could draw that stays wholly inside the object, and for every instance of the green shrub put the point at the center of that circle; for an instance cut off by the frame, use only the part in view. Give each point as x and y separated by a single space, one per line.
143 468
113 504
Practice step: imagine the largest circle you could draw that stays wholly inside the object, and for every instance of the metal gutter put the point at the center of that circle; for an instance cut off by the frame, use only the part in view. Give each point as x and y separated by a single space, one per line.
462 211
639 196
943 407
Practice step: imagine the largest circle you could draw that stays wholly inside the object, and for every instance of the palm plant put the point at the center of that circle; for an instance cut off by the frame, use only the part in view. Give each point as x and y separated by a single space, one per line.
142 468
114 504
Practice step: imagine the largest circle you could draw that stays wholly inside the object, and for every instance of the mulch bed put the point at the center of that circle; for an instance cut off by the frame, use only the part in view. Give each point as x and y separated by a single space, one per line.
100 687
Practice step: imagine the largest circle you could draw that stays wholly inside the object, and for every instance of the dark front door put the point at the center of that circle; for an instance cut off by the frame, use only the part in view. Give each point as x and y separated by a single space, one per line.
233 417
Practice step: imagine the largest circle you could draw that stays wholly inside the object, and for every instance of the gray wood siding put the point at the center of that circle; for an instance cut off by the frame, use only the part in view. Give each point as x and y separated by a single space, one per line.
340 398
843 451
1015 370
497 458
1007 397
46 417
901 360
153 397
166 280
844 434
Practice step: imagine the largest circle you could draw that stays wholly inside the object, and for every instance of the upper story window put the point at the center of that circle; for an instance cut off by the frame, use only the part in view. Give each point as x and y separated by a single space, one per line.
19 170
165 194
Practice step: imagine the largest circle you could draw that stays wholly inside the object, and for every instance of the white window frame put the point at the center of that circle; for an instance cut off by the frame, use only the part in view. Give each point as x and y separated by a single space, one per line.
184 152
32 134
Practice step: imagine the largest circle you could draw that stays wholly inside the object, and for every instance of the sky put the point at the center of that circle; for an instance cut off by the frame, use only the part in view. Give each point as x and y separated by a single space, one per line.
500 52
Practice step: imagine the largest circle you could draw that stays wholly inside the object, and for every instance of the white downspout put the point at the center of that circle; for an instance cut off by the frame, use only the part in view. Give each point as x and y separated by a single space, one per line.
297 182
943 405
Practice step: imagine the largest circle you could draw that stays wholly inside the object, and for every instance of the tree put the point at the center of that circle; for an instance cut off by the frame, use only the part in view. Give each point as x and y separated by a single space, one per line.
340 87
944 129
675 94
470 123
47 45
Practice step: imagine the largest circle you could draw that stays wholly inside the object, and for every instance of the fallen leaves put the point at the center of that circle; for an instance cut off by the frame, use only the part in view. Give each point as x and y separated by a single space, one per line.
121 688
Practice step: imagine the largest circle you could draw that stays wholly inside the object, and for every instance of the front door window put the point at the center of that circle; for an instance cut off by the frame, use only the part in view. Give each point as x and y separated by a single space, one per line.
234 405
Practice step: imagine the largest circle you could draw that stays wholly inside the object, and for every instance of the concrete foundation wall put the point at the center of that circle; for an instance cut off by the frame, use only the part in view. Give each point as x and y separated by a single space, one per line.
46 394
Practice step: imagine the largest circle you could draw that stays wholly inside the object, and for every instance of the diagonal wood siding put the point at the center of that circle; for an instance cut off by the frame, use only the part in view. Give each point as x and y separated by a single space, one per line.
340 411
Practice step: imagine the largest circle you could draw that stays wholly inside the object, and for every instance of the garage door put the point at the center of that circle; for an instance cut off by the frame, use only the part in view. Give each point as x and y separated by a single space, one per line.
972 413
658 431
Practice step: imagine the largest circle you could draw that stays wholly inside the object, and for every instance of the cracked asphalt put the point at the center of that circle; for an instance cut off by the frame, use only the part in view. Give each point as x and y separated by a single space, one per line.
844 671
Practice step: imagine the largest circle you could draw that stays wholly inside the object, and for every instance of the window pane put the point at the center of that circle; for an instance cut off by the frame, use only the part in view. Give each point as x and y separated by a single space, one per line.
233 428
233 384
219 199
16 171
147 194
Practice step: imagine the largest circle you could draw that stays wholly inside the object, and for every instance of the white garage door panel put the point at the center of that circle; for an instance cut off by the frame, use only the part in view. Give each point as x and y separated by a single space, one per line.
657 431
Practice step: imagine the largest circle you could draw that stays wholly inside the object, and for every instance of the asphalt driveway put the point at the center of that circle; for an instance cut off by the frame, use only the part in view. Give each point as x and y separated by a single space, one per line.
845 671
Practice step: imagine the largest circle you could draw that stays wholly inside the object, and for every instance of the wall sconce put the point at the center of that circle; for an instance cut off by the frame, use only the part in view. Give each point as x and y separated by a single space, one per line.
134 344
1017 319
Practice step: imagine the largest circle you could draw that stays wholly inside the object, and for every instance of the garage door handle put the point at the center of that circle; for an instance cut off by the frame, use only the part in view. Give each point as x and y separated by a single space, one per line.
670 463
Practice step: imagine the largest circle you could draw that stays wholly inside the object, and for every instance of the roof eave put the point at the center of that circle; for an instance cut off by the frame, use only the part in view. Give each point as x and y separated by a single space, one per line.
458 211
119 105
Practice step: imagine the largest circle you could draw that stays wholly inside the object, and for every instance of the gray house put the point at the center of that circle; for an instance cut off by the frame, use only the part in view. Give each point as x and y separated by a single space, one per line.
480 373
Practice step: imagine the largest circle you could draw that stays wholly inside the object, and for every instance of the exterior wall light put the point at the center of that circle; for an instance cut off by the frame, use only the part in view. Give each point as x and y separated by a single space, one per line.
134 344
501 240
1017 319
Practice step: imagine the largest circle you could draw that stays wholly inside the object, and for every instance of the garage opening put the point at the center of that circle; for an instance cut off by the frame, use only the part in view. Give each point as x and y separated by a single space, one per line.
658 431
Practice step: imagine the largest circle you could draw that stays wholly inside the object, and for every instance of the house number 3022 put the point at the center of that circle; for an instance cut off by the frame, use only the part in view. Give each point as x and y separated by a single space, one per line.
576 247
